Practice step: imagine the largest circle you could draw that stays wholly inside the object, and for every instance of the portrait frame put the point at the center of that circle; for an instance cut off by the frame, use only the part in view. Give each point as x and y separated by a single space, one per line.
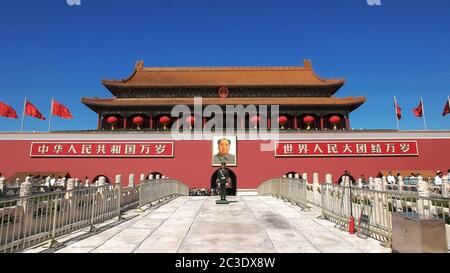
216 160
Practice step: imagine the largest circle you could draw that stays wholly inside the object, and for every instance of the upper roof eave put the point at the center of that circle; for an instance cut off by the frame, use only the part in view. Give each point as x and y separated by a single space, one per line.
159 77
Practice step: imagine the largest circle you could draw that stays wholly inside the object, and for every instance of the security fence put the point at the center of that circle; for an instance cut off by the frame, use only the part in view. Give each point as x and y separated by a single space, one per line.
339 203
372 209
34 218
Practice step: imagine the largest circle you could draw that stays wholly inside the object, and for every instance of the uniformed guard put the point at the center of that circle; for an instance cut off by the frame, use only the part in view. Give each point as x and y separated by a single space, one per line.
223 180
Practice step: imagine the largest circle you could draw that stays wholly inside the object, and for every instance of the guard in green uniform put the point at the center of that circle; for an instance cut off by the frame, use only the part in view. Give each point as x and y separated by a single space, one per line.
223 179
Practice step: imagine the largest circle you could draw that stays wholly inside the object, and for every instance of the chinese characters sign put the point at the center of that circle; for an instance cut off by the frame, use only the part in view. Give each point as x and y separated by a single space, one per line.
102 149
346 148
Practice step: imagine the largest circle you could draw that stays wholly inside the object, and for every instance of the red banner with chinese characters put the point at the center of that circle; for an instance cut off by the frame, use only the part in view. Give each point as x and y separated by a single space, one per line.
102 149
346 148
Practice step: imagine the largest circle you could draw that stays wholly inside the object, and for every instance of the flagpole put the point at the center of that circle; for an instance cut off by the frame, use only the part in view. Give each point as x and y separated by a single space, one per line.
396 117
50 118
423 114
23 113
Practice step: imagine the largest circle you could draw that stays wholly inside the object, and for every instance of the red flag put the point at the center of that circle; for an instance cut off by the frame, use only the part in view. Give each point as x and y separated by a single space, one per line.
398 110
31 110
419 110
60 110
446 108
7 111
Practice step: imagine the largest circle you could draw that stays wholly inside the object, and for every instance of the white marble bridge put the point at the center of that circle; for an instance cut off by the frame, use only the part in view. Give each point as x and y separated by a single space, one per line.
249 224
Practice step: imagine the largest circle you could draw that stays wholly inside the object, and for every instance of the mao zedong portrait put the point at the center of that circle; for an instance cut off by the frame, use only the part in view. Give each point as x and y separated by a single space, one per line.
224 153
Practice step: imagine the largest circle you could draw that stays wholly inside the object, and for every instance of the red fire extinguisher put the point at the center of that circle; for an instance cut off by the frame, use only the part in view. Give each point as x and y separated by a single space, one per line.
351 220
351 225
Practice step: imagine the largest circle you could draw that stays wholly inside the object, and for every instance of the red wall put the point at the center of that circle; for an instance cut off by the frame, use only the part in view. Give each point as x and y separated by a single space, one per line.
192 163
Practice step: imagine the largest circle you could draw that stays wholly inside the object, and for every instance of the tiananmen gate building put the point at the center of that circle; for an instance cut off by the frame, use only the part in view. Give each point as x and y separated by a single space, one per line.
313 131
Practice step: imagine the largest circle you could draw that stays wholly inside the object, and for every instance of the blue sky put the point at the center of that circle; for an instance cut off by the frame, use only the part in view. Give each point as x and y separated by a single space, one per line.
402 48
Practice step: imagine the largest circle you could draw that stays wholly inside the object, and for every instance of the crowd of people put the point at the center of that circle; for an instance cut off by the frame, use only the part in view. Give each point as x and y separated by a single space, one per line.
199 192
203 192
50 180
393 180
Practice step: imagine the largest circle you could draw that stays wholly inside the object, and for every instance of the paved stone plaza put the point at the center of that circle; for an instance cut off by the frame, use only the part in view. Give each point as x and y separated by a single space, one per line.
197 224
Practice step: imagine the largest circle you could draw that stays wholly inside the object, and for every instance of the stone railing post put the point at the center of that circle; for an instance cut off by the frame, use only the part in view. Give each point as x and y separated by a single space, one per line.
70 186
315 180
76 182
142 177
384 183
297 176
305 177
131 180
118 188
316 186
422 187
118 179
422 191
150 176
329 178
101 181
26 189
371 183
2 186
445 188
47 181
400 184
378 184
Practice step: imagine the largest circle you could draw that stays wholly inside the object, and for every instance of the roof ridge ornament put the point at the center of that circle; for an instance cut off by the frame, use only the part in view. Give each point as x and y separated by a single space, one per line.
139 65
307 64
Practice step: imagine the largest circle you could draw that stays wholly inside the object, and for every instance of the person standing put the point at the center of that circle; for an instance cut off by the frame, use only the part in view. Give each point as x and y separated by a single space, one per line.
446 178
346 178
390 178
438 179
223 180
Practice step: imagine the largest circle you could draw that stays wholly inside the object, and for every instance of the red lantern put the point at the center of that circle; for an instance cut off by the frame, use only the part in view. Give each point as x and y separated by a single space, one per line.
308 120
164 120
282 120
335 120
112 120
138 121
255 120
190 120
